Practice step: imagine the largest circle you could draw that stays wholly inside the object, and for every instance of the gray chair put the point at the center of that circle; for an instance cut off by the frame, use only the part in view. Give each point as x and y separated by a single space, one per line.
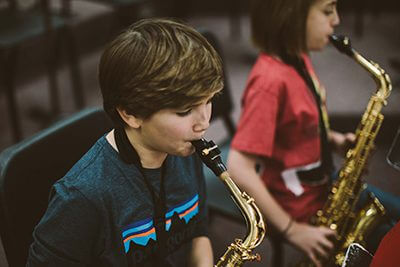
28 170
218 196
18 29
126 11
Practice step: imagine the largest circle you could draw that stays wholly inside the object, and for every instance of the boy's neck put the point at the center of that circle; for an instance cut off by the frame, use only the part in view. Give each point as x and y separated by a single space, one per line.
149 159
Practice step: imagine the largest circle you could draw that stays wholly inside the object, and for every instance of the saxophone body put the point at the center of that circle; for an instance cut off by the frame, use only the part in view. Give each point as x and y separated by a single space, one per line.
241 250
339 211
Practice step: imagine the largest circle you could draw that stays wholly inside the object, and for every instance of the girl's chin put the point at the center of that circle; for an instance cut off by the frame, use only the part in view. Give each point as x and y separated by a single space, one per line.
320 45
318 48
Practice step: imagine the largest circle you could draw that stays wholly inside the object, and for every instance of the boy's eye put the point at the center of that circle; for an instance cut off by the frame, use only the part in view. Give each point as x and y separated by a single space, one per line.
188 111
184 113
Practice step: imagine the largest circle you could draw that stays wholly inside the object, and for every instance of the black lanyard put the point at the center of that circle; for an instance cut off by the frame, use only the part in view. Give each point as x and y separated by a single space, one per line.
326 155
129 155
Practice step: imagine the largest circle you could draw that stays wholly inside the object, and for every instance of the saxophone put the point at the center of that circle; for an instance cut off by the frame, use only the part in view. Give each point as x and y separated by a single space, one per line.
240 250
339 211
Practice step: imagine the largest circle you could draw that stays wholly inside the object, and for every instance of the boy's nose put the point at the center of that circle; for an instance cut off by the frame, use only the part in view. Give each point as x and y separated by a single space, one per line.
203 119
201 126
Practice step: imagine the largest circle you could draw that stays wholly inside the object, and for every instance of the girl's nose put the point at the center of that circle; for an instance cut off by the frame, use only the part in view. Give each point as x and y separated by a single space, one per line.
336 19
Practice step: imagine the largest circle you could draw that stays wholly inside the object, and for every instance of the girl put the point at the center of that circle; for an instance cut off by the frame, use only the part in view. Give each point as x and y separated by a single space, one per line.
283 124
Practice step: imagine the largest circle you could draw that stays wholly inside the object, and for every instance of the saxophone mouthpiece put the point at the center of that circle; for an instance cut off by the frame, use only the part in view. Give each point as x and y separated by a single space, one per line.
342 43
210 155
199 144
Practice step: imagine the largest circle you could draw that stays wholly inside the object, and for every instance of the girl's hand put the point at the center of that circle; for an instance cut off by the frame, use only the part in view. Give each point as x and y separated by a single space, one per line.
342 142
314 241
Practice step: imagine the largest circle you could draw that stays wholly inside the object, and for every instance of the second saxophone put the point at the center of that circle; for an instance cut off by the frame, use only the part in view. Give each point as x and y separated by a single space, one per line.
339 213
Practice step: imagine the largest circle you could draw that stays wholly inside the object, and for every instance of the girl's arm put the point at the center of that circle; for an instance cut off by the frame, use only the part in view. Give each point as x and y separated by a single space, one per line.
310 239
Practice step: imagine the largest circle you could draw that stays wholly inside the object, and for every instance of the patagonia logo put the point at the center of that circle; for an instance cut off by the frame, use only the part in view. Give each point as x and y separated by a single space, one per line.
143 231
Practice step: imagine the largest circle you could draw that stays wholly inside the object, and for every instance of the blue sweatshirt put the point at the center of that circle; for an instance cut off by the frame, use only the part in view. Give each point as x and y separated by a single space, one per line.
101 213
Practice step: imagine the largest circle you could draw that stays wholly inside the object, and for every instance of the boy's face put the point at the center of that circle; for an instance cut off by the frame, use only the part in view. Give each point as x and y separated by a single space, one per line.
321 20
172 130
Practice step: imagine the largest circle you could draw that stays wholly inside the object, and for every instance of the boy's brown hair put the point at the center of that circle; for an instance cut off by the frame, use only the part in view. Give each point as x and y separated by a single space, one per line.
156 64
279 26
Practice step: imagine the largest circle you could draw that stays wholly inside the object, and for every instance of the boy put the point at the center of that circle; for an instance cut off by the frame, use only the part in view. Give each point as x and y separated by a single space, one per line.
137 198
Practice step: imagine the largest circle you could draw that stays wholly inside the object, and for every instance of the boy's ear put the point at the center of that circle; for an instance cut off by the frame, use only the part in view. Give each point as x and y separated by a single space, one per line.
131 120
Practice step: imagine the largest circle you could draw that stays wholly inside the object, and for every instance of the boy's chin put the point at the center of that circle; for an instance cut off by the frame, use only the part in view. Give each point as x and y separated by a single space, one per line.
188 151
185 152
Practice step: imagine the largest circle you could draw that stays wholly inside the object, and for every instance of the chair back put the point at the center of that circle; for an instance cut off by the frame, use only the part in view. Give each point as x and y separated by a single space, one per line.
21 23
222 105
218 197
393 156
15 5
29 169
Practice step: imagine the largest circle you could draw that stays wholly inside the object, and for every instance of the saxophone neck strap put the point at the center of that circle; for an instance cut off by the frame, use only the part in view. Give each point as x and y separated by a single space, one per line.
129 155
326 155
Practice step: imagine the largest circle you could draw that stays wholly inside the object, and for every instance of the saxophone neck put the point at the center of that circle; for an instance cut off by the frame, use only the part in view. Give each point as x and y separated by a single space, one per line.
239 251
382 79
250 211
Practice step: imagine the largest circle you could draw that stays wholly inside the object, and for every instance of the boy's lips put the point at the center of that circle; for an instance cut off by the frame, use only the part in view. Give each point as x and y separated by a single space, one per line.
196 138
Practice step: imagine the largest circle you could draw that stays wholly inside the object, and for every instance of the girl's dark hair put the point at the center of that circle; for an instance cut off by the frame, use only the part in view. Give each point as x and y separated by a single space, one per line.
278 27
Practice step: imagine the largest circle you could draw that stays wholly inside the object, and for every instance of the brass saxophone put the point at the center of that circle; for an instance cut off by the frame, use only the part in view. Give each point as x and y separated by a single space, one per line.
339 212
241 250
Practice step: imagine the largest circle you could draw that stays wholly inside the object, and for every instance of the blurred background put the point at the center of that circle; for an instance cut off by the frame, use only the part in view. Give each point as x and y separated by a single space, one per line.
49 57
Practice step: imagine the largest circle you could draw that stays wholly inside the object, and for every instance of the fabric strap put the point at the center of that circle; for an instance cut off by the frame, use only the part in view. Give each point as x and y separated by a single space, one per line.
327 166
129 155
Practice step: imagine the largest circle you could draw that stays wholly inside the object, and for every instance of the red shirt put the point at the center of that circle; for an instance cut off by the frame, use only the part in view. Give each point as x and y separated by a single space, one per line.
280 123
387 254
